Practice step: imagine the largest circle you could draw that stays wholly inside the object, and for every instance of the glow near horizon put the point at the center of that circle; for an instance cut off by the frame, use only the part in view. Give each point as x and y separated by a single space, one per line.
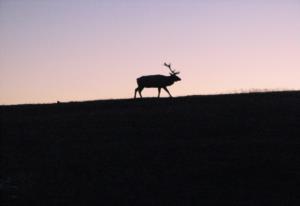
84 50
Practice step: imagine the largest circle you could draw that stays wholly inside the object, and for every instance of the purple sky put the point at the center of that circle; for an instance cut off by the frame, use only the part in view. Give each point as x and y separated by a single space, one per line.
82 50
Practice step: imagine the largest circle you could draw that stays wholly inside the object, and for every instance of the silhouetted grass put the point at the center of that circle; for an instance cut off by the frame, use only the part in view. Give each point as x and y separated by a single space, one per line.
232 149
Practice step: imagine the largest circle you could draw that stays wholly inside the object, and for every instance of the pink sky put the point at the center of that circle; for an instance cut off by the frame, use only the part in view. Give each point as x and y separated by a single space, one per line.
85 50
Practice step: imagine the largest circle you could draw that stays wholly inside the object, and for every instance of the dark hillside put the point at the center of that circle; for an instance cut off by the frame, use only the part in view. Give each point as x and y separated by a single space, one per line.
241 149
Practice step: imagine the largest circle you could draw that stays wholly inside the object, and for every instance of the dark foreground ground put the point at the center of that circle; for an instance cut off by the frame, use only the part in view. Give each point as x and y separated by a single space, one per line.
241 149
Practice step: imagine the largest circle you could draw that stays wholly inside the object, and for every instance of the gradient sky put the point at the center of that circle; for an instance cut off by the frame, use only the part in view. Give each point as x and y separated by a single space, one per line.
71 50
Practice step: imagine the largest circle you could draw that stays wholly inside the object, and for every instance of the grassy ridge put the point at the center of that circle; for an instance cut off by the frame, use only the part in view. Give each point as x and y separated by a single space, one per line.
226 149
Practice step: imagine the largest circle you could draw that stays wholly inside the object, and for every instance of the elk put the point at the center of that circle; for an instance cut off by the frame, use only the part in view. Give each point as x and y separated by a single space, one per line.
157 81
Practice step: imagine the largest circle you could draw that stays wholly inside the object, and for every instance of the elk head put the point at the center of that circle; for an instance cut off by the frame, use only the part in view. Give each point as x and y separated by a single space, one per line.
173 73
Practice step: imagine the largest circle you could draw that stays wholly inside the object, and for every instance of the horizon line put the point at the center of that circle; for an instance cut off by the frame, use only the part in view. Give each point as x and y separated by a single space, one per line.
238 92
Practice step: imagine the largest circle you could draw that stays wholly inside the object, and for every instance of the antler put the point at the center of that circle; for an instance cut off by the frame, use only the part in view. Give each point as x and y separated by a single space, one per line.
169 66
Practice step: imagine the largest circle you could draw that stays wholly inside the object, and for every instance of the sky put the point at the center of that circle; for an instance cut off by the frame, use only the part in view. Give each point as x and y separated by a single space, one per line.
72 50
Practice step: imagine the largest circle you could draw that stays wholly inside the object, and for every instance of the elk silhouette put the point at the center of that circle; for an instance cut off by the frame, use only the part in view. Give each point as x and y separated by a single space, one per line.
157 81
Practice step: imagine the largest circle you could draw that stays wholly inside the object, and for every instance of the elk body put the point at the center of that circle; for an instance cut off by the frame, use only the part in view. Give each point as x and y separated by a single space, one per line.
157 81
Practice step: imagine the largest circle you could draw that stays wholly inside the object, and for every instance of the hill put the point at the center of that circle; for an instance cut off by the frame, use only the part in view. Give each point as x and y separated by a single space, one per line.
239 149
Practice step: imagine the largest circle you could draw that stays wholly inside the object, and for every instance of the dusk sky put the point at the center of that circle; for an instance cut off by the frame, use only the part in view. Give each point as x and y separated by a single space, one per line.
71 50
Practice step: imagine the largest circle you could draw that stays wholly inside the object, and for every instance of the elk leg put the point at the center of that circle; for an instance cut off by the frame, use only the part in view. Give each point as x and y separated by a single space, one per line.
135 91
159 91
165 88
140 91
